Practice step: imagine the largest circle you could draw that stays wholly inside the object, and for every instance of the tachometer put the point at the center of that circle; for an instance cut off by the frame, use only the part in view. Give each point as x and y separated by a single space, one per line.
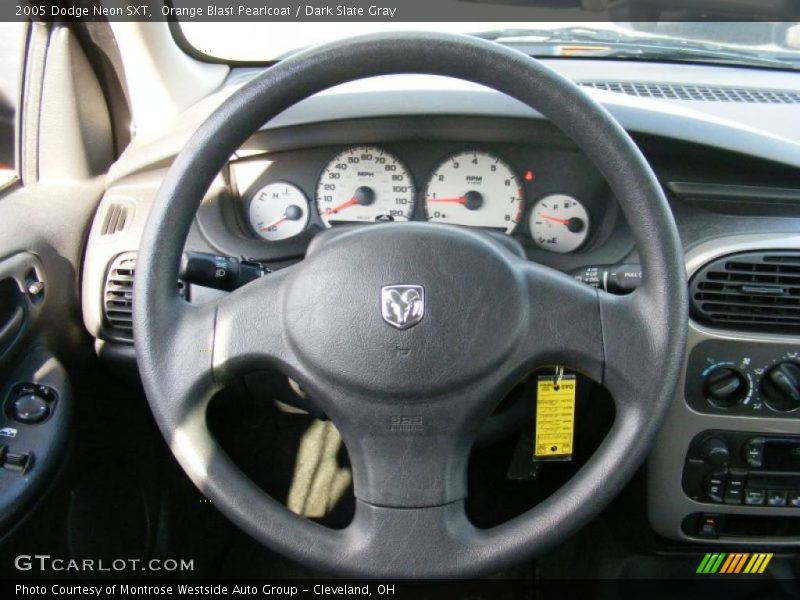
559 223
278 211
477 189
365 184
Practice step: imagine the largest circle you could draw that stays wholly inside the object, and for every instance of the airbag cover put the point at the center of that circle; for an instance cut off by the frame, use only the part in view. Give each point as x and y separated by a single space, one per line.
473 313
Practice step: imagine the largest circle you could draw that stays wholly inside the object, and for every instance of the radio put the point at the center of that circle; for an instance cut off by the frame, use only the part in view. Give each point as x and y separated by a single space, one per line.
734 467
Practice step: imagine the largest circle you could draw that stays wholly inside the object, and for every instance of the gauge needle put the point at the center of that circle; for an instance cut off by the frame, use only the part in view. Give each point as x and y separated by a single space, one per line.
342 206
461 200
274 223
554 219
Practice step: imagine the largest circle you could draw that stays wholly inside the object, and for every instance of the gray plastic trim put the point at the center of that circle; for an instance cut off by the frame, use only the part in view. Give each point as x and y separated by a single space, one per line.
668 505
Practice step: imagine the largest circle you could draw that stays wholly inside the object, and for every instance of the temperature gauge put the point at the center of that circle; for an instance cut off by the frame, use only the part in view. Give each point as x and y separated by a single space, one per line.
559 223
278 211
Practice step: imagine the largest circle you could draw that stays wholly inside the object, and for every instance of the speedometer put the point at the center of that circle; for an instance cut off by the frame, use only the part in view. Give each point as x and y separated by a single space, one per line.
365 184
476 189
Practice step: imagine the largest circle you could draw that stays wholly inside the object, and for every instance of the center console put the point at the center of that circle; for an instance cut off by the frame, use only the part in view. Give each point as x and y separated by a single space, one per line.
726 465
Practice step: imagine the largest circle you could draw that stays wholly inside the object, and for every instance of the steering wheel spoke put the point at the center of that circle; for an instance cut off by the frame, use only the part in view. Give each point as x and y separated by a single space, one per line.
249 331
413 533
632 361
187 358
408 454
597 333
564 322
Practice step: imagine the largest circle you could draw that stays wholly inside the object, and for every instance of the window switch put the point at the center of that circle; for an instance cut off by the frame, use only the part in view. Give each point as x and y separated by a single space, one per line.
16 461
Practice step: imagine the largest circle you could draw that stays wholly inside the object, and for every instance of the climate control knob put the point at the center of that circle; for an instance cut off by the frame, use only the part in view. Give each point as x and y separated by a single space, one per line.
781 387
725 387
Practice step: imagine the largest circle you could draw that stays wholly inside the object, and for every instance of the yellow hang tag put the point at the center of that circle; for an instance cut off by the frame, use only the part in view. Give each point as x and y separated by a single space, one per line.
555 417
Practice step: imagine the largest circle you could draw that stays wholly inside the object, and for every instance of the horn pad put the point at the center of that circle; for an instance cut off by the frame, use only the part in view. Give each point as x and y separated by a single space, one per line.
403 309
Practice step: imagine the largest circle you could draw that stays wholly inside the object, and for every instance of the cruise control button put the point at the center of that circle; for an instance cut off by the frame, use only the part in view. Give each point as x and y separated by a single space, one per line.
754 497
715 487
776 497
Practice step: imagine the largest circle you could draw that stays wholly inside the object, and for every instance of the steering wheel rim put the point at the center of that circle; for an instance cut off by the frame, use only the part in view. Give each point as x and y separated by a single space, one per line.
409 519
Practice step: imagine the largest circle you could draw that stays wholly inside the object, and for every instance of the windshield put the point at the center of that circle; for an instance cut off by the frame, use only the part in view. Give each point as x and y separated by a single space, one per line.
760 44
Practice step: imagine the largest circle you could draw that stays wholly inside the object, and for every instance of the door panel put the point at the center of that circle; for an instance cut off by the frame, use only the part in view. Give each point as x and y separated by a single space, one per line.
42 230
64 149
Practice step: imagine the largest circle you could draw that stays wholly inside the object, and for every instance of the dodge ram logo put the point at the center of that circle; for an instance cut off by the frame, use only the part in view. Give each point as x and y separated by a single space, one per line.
402 306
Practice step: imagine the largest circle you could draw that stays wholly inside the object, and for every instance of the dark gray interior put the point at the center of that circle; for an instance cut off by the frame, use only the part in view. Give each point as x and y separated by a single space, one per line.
319 439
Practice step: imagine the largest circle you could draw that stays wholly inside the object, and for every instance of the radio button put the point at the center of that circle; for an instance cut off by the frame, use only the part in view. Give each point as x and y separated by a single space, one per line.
754 452
734 492
776 498
794 498
715 451
715 487
754 497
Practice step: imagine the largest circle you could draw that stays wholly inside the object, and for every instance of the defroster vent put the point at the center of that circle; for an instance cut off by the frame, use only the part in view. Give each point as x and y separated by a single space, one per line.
697 93
750 290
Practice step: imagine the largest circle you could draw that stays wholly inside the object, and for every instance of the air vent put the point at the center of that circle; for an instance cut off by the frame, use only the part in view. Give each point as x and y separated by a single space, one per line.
698 93
118 295
752 290
116 217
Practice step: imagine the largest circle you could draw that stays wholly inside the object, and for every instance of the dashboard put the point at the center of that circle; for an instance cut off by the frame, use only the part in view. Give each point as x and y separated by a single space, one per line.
411 148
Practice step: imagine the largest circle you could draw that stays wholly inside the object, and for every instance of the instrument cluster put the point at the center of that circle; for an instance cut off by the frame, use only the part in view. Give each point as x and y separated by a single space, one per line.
467 186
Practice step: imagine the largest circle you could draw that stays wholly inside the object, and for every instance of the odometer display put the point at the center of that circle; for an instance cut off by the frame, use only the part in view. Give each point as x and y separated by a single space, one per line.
476 189
365 184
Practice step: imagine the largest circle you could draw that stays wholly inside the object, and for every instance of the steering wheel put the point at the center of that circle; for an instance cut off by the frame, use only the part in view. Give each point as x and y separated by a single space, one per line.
409 397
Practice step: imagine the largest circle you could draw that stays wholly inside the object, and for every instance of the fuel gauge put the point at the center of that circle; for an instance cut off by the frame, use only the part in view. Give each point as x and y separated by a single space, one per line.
559 223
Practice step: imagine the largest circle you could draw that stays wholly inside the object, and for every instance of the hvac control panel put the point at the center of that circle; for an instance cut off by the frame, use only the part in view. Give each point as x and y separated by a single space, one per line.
734 467
743 378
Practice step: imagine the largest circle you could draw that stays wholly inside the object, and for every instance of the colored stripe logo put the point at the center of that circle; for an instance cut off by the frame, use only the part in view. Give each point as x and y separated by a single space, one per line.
734 563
